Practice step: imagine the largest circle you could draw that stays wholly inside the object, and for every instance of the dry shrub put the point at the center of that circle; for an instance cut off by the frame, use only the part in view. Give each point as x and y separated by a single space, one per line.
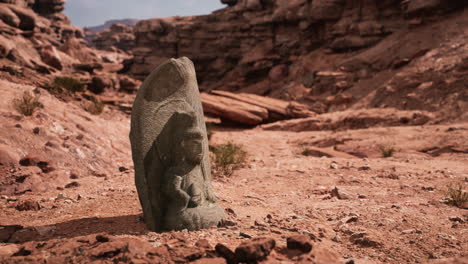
62 85
387 151
456 195
227 158
27 104
93 106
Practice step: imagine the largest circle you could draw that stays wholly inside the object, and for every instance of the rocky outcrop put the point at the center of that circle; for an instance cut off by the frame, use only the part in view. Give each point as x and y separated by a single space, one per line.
328 54
352 119
243 43
37 36
251 109
118 36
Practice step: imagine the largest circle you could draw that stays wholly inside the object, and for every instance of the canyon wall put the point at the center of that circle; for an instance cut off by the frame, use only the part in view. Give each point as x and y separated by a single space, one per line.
253 45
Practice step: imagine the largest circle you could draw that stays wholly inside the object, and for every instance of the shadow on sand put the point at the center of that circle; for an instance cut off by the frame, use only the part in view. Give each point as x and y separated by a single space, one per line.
119 225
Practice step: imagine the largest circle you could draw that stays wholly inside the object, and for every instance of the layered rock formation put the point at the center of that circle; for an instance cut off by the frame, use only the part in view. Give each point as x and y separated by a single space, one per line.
38 42
303 50
242 43
36 35
118 36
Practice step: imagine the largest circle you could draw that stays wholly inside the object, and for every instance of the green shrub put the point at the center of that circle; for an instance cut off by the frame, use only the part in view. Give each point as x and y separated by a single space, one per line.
27 104
456 195
65 84
227 158
387 151
93 106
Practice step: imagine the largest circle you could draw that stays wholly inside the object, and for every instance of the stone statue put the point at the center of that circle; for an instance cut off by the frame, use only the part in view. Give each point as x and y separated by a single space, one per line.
170 151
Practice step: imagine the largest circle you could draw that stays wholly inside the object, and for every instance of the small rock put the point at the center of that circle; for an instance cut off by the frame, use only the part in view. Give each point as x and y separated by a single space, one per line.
364 168
340 194
60 196
230 212
337 239
350 219
227 223
74 176
203 243
6 232
36 130
102 239
300 242
122 169
226 253
408 231
72 185
456 219
363 240
255 250
36 160
28 206
242 234
8 250
334 166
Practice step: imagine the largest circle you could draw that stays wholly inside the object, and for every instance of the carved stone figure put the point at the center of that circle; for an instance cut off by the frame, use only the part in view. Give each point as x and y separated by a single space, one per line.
170 151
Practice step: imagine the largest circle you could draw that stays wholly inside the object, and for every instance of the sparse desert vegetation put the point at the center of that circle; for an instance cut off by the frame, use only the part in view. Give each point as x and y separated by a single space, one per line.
457 195
227 158
62 85
387 151
27 104
339 136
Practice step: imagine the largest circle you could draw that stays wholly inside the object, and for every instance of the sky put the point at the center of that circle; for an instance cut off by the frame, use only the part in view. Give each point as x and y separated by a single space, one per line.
95 12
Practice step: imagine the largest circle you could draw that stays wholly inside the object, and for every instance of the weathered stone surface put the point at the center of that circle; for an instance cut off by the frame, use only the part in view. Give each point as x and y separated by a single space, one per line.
251 109
300 242
118 36
261 39
51 57
128 84
254 250
353 119
170 151
233 110
99 84
6 232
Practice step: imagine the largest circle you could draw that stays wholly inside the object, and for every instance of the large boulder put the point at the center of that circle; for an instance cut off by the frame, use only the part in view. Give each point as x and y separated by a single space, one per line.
100 83
51 57
27 18
47 7
9 17
128 84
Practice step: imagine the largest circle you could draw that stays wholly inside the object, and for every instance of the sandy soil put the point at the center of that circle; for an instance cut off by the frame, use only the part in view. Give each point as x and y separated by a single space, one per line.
388 210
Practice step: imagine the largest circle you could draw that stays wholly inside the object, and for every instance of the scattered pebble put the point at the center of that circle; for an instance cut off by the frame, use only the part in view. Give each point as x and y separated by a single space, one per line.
72 185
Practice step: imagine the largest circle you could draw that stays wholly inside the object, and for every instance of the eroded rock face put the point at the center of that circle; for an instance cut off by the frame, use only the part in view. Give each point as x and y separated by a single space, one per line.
259 35
118 36
170 151
47 7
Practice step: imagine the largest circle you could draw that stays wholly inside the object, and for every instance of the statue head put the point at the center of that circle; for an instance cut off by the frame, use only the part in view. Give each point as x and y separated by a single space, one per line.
192 145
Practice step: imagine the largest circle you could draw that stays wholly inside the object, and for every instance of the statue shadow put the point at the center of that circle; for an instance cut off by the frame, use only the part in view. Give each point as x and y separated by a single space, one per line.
119 225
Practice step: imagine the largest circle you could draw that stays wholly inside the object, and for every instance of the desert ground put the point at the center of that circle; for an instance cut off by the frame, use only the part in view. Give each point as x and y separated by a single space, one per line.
348 119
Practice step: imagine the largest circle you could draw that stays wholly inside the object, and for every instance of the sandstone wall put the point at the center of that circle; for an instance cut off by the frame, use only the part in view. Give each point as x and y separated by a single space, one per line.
252 45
